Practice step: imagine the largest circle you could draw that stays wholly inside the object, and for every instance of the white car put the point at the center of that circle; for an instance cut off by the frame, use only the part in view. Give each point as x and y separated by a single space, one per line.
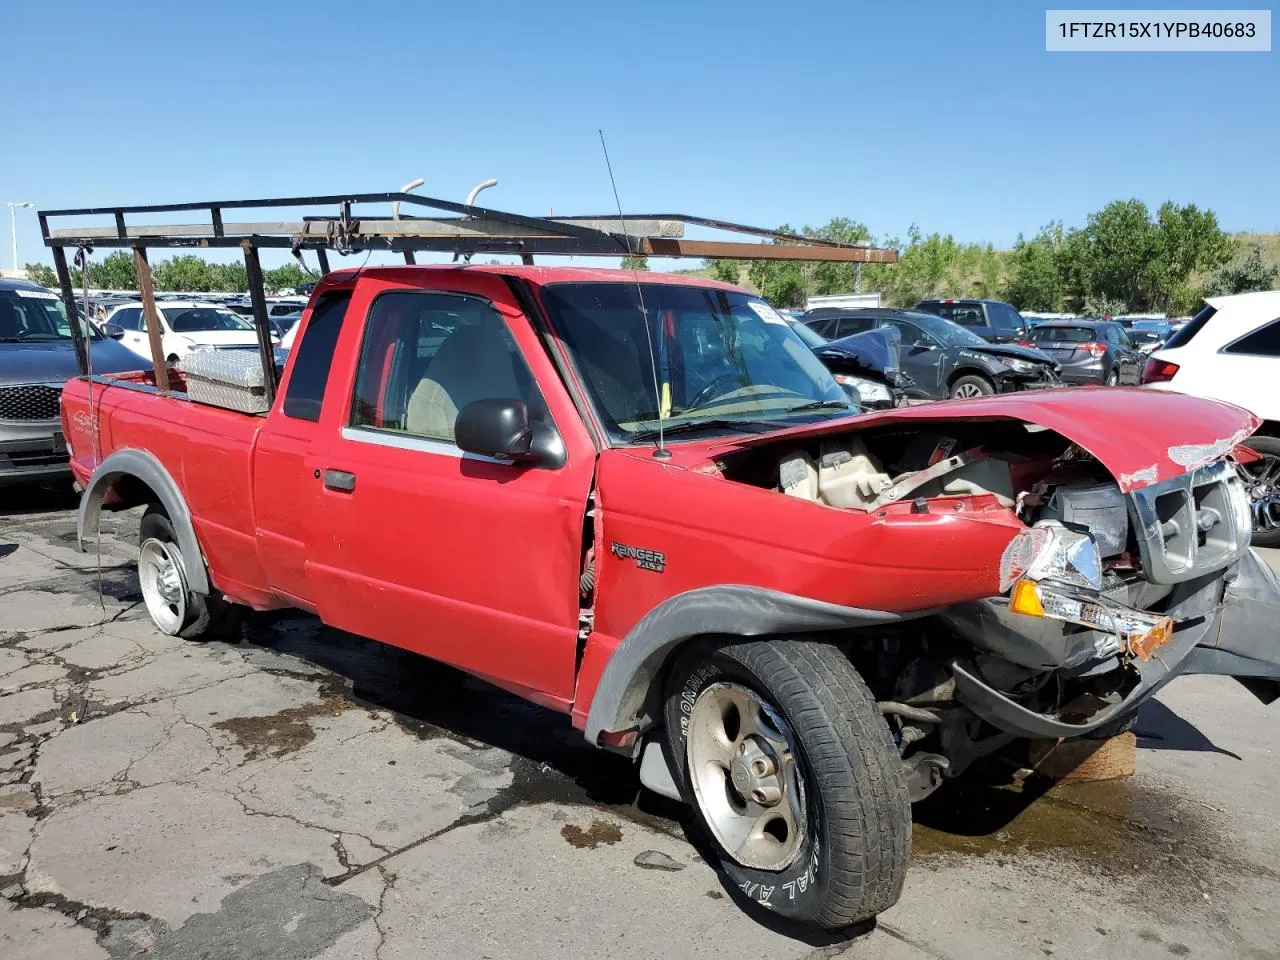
1230 351
185 326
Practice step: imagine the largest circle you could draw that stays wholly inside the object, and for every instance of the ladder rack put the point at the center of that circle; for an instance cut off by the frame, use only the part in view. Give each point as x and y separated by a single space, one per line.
463 230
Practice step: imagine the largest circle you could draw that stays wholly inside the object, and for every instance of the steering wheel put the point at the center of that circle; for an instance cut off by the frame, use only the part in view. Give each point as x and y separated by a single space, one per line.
709 390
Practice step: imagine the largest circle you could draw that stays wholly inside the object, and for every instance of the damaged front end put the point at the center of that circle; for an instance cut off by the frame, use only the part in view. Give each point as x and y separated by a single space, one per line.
1116 579
1105 598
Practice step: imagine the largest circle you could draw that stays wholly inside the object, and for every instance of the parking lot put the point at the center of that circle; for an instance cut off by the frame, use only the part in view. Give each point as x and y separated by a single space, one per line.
305 793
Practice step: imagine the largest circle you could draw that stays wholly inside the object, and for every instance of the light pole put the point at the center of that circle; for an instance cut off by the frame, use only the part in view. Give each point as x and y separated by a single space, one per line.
13 228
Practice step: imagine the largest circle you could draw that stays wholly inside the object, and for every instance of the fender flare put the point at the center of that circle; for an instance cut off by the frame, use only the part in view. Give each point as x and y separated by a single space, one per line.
733 609
149 470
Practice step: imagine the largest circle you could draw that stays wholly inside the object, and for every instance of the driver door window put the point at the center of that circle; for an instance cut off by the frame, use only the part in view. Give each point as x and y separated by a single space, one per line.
427 355
911 334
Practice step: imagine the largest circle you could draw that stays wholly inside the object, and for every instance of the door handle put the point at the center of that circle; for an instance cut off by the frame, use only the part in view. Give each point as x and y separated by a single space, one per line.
339 480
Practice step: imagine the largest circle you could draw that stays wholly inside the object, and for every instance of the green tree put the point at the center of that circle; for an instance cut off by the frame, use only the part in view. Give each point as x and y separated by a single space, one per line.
635 263
185 272
116 271
727 271
229 277
1036 281
284 278
41 273
1243 275
828 278
1122 245
1187 241
781 282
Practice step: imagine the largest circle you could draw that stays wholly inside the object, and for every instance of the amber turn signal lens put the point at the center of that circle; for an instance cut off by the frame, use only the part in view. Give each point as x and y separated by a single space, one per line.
1026 600
1144 645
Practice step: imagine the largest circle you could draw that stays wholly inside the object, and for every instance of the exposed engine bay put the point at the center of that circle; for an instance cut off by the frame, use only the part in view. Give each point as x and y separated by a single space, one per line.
1086 598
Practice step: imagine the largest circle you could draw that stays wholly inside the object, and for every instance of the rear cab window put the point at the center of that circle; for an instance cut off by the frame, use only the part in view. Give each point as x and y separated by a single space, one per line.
313 357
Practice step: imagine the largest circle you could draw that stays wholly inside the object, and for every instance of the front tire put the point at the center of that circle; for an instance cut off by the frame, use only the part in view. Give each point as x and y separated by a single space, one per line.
971 386
171 604
779 748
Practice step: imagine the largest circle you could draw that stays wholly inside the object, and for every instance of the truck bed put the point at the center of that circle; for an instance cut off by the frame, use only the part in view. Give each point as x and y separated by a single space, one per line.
207 450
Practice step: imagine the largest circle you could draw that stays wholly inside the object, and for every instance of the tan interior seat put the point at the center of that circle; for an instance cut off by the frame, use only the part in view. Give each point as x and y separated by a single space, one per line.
473 363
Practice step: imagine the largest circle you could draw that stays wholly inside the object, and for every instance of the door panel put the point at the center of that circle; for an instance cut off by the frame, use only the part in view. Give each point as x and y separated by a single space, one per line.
922 364
462 558
287 457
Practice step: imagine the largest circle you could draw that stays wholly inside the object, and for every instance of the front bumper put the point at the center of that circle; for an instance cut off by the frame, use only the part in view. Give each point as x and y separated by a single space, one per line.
1224 624
32 451
1015 382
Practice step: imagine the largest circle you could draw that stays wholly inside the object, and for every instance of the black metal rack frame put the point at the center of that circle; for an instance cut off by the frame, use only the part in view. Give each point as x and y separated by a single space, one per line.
471 230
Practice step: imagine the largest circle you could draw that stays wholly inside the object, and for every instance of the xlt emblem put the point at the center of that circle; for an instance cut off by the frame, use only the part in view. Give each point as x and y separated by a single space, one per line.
645 559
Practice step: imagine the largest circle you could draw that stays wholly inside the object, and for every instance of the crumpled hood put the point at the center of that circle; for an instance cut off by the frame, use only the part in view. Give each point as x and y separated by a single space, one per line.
1013 350
877 350
54 361
1141 436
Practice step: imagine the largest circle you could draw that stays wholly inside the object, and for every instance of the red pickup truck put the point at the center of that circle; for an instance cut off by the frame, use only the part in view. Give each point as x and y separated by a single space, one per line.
644 503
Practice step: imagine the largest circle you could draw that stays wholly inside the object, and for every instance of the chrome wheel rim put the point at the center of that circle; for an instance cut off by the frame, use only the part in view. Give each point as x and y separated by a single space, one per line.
1262 481
164 584
742 765
967 391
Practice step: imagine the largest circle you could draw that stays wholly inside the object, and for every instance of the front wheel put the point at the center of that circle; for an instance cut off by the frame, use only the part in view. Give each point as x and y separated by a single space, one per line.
779 748
970 386
162 575
1262 480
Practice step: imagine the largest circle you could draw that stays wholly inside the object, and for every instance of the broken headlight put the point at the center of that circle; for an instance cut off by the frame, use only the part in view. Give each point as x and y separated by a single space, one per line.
863 390
1051 551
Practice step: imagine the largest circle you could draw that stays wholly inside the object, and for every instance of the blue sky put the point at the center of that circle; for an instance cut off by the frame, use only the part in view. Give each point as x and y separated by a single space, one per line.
949 115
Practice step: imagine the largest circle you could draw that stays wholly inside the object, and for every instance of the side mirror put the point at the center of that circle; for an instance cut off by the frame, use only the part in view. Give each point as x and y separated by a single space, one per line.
497 428
922 345
113 330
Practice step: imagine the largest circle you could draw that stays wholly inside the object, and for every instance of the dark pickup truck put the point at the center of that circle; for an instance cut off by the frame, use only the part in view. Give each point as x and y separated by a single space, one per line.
642 501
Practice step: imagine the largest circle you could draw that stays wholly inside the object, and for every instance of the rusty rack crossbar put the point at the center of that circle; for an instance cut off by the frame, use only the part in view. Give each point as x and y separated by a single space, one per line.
471 230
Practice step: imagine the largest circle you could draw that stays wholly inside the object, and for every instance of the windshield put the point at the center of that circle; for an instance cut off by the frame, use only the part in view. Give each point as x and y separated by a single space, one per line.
31 315
1152 326
812 339
951 334
198 319
717 356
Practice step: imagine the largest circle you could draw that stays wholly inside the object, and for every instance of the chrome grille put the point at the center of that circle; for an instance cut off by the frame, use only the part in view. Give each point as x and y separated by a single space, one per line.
30 401
1193 524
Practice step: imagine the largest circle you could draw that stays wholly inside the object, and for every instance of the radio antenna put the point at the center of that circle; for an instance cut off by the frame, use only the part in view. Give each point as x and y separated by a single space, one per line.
662 453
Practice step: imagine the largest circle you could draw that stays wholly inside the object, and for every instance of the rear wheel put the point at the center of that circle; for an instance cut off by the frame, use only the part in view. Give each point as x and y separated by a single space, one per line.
779 748
162 575
1113 378
1262 480
970 386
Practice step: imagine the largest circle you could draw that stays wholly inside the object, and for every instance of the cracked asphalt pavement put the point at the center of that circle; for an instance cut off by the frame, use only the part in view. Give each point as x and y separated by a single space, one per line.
304 793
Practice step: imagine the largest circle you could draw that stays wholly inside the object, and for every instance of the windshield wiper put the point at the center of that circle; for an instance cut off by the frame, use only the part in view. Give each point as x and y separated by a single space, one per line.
690 426
821 405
